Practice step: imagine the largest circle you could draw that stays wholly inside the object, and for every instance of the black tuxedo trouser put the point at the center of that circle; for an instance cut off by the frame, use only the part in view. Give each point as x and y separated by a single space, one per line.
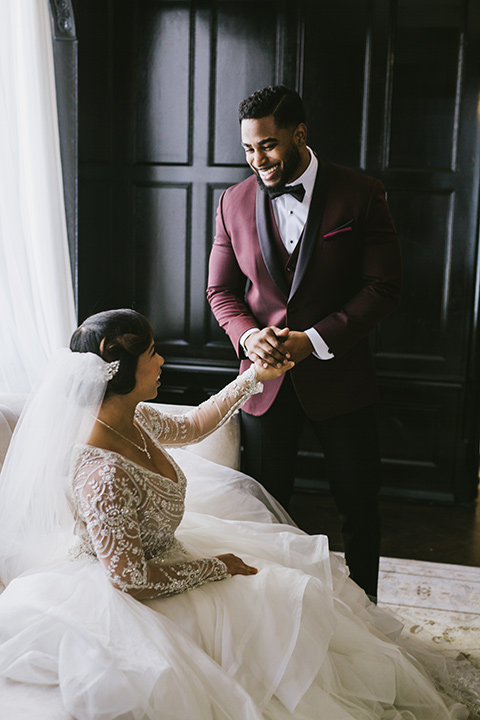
352 456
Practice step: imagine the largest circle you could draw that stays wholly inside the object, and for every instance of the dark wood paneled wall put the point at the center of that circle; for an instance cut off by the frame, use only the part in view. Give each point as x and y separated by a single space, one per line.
391 88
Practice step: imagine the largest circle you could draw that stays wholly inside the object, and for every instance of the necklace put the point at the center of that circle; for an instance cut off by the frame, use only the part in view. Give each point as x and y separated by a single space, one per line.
143 450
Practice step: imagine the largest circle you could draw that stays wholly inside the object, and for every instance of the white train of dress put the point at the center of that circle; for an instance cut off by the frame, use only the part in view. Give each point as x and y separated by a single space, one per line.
297 641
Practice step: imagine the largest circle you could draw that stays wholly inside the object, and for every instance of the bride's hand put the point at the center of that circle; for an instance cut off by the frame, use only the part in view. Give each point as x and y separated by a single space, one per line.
236 566
270 372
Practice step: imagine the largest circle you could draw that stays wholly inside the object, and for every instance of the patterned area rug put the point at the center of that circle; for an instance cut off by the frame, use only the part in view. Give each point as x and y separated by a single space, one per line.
440 604
437 602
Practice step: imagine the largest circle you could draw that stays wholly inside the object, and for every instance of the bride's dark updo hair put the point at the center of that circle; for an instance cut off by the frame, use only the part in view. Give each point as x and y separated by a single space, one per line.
126 334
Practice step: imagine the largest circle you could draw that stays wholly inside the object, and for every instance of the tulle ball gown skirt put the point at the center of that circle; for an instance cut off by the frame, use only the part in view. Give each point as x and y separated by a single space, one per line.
299 640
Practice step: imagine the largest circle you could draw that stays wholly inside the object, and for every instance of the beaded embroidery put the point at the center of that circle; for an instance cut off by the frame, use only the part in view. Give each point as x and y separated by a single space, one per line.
127 515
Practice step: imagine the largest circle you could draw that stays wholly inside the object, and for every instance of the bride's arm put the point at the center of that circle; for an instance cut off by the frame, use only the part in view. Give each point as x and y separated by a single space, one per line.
211 414
107 501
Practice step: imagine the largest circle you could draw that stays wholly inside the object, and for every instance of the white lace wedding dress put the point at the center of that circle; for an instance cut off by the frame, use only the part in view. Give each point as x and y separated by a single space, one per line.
297 640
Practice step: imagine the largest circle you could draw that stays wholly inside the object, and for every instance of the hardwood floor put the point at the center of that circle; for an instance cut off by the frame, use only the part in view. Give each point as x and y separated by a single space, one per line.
412 530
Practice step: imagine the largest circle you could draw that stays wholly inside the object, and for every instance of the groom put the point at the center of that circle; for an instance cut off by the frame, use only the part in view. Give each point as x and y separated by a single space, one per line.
305 263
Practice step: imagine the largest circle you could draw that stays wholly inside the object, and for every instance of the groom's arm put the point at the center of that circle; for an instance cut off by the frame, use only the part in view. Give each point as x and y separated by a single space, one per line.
226 295
226 286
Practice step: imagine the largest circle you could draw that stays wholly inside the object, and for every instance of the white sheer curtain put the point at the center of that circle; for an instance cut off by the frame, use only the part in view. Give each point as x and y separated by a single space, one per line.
37 313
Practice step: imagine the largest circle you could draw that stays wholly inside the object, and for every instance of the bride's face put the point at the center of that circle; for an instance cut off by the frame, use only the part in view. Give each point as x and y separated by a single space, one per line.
147 375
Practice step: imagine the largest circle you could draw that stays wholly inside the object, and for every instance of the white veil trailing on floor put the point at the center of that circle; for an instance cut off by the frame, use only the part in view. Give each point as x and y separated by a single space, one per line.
36 518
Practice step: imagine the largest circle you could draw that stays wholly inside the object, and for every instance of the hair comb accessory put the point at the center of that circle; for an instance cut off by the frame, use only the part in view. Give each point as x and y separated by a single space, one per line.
112 369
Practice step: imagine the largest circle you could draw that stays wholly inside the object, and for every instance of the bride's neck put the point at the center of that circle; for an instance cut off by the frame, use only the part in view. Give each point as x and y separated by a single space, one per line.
118 411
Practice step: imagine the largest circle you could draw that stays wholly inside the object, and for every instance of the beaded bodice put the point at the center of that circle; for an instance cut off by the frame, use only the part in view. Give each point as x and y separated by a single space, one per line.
127 515
135 500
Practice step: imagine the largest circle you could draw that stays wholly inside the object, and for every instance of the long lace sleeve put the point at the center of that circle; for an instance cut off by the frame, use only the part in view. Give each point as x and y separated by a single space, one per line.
109 502
201 421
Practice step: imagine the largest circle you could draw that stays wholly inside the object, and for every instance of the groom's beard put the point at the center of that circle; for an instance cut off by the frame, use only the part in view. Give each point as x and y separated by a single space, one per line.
290 164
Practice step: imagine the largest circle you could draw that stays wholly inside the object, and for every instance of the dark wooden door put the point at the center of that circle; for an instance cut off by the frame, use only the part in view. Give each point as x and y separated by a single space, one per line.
391 88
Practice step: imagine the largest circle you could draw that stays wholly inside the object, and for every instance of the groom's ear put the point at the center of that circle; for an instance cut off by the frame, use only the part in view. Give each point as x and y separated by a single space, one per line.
300 134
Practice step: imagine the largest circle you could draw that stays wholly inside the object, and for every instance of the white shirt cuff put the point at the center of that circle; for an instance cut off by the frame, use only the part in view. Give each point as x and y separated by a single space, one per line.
245 336
320 347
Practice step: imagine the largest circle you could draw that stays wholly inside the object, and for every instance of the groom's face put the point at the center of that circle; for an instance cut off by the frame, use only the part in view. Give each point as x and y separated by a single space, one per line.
276 155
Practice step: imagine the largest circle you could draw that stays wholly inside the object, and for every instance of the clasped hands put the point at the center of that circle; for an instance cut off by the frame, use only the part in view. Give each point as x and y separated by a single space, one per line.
275 349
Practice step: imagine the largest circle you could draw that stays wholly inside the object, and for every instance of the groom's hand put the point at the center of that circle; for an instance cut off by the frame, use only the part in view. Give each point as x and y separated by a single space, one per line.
298 346
267 347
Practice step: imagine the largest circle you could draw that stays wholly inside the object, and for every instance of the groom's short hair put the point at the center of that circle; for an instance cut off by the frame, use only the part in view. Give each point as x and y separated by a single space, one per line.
284 104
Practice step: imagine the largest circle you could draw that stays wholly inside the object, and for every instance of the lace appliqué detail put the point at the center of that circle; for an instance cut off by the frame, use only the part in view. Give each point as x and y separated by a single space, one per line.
461 683
198 423
168 429
187 576
127 517
243 387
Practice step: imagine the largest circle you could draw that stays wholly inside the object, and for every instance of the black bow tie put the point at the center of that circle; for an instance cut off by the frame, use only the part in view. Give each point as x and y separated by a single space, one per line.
298 192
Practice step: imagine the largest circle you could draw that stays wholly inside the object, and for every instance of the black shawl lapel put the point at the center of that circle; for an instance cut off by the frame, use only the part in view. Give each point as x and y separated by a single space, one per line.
267 246
312 227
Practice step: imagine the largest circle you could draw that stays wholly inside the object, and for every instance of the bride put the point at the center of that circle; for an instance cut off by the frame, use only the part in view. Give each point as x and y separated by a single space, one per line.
140 601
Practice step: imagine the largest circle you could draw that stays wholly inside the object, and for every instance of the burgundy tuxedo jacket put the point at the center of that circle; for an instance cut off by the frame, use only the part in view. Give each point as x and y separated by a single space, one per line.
347 278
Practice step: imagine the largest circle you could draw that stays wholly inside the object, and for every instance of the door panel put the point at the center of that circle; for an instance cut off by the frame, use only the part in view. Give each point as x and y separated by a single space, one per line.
164 64
427 71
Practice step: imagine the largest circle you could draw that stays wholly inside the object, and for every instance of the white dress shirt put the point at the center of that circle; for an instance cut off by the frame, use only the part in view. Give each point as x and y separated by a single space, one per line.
290 214
290 217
